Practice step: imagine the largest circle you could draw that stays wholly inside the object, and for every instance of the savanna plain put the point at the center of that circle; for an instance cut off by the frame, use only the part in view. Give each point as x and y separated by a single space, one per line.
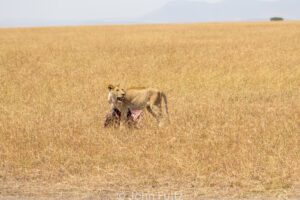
233 95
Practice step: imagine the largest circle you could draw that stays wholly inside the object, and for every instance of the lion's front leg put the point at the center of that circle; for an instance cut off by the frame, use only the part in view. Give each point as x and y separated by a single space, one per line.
123 119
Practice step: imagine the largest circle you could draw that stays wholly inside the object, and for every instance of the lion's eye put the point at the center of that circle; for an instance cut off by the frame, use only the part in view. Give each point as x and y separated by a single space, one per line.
117 90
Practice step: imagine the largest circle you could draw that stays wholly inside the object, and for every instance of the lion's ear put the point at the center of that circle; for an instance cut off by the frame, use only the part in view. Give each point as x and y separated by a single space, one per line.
110 87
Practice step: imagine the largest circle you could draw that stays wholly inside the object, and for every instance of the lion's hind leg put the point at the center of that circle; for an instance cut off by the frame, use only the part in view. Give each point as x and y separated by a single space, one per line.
149 109
155 111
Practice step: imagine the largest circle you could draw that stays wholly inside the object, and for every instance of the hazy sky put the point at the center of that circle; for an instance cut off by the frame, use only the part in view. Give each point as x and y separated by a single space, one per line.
77 9
19 11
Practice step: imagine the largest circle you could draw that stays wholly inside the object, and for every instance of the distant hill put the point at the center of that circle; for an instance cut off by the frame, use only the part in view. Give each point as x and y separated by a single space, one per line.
181 11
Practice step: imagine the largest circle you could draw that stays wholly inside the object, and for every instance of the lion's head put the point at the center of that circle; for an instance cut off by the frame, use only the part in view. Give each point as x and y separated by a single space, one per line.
116 94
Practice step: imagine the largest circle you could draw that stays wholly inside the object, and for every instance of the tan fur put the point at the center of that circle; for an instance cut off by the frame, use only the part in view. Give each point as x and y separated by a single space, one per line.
138 98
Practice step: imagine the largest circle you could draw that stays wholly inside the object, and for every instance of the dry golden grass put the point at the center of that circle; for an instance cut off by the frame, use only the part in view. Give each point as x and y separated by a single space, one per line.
233 92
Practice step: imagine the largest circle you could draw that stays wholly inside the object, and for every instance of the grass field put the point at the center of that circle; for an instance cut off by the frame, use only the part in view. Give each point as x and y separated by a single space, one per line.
233 92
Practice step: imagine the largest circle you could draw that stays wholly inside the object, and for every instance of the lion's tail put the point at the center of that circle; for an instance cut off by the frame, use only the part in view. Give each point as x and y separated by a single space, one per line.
166 105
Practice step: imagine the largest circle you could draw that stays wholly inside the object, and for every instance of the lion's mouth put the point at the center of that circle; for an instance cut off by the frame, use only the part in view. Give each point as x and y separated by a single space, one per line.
121 99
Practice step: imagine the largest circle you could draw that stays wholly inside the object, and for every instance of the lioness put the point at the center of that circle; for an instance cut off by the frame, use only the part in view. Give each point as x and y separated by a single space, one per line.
138 99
